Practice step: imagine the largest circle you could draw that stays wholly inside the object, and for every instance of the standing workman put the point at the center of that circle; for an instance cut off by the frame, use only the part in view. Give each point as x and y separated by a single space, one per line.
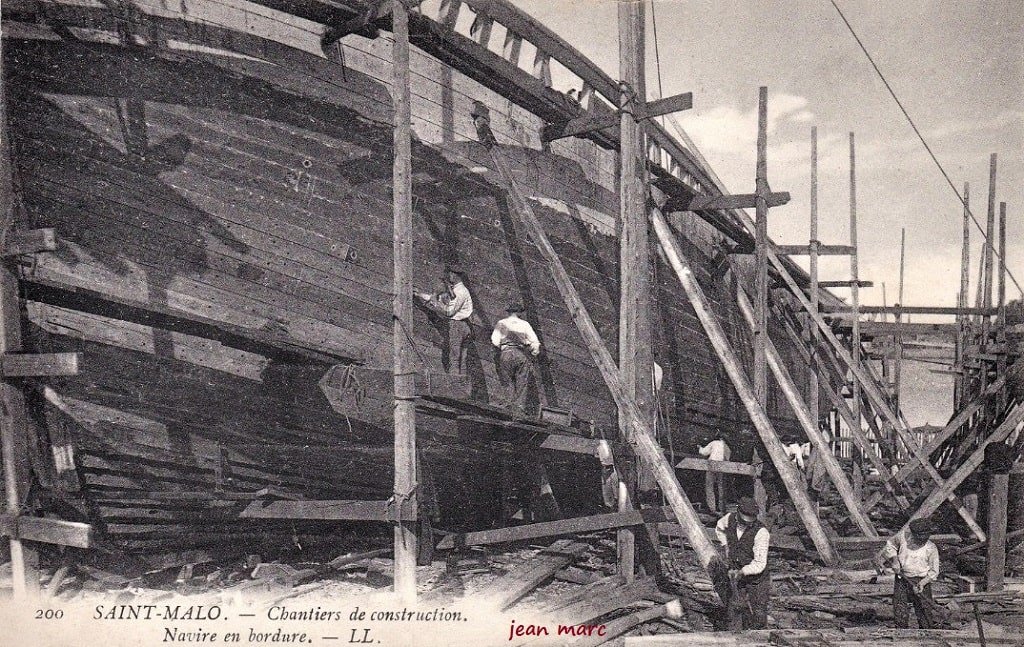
454 304
515 339
914 559
746 552
714 482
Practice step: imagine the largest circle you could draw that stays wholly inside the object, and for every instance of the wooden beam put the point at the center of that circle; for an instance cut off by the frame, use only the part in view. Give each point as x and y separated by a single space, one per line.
810 336
13 414
404 350
39 364
46 530
635 339
30 242
340 510
995 565
760 314
590 121
822 250
810 427
704 202
793 480
506 591
512 47
846 284
962 321
989 250
723 467
912 310
888 328
642 439
573 526
855 347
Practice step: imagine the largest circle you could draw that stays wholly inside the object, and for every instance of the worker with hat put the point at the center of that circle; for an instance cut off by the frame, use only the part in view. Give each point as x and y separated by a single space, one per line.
517 342
455 305
746 552
914 559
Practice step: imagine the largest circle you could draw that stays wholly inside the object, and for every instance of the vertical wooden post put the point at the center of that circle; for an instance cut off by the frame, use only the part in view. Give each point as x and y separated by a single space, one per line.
813 390
995 568
1001 304
635 354
404 360
960 394
761 252
898 337
854 290
990 223
13 417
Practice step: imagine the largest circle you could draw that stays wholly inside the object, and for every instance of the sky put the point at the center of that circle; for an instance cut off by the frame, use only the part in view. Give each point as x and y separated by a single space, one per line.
956 65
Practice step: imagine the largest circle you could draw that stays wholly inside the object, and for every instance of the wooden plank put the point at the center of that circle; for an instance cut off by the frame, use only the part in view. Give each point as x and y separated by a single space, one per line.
341 510
995 565
822 250
619 626
724 467
912 310
791 478
47 531
703 202
404 344
642 439
845 284
573 444
517 584
39 364
30 242
571 526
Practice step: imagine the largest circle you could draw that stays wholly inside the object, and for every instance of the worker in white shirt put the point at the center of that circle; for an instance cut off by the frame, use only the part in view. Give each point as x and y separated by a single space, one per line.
714 482
746 553
455 305
519 345
915 560
798 452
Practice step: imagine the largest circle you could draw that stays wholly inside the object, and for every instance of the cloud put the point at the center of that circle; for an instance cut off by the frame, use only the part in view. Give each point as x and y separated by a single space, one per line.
729 130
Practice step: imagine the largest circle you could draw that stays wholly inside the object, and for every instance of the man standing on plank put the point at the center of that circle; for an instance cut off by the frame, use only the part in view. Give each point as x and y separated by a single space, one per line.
746 552
915 560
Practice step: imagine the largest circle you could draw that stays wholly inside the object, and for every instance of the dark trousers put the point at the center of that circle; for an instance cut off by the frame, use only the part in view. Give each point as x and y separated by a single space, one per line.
747 604
903 596
516 372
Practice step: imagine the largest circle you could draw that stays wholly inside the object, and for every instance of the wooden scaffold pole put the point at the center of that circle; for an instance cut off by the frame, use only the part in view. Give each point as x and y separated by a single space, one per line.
761 252
897 373
854 298
813 389
1001 304
635 343
404 357
960 391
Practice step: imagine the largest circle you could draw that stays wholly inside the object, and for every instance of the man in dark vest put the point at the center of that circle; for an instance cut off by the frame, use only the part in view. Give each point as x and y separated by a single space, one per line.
746 552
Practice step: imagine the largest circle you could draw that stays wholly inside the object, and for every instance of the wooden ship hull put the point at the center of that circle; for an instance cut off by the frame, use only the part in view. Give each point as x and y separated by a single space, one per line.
220 190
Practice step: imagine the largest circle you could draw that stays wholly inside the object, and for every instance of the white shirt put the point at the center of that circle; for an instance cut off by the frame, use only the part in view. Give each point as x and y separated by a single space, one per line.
761 540
459 305
516 332
716 450
915 562
797 452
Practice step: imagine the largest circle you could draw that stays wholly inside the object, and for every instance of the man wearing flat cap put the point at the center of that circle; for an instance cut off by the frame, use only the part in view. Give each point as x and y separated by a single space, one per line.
455 305
914 559
746 552
518 344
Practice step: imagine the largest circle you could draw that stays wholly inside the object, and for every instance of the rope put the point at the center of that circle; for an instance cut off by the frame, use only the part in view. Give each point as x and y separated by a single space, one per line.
926 146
